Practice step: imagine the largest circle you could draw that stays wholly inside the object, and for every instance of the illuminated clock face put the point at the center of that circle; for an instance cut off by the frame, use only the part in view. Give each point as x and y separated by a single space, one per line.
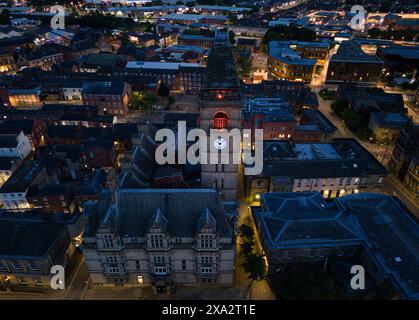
220 143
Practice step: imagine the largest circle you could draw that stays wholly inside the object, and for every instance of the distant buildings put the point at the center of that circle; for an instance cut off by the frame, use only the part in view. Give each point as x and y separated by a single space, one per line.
285 63
186 77
368 100
377 229
13 193
112 98
202 37
334 169
351 64
161 238
399 59
24 98
297 94
209 19
278 121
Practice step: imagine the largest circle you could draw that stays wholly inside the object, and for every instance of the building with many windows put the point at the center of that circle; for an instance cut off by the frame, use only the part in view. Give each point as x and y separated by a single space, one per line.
160 238
285 63
111 98
13 193
404 161
375 229
29 246
15 145
334 169
186 77
351 64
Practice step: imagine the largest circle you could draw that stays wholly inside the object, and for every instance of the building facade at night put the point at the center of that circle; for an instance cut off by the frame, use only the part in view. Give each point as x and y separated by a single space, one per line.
334 169
375 228
161 238
350 64
111 98
221 108
404 161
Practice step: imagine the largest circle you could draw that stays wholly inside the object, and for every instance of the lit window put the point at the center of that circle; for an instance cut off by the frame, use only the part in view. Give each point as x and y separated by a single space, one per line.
220 121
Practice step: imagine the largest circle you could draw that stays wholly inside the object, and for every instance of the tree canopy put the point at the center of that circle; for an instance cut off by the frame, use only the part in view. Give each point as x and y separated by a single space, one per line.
289 33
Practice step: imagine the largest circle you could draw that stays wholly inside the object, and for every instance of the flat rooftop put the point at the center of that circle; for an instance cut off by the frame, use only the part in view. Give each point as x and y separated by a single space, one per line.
22 178
192 17
350 51
312 151
160 65
402 51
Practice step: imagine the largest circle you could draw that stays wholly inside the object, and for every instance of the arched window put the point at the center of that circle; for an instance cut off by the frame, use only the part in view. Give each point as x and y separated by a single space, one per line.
220 120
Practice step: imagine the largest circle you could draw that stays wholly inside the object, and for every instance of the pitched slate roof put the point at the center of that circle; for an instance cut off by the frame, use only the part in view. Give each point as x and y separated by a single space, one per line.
27 237
182 208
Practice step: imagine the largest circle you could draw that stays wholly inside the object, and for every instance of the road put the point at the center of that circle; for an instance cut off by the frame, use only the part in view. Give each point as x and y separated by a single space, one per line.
260 290
78 283
393 187
382 152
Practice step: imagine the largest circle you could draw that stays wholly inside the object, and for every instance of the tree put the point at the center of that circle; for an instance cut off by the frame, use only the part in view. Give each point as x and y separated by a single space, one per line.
171 100
143 100
164 91
288 33
5 17
232 18
246 247
339 106
255 266
246 231
232 37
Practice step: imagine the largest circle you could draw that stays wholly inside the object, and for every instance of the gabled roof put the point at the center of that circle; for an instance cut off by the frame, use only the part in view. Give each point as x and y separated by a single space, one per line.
26 237
206 220
158 220
181 208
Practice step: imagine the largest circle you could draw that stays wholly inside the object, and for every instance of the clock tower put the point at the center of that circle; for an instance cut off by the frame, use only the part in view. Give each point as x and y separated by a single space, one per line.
220 108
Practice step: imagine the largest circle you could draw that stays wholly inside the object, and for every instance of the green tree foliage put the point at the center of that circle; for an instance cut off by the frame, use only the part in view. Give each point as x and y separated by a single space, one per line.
164 91
409 85
5 17
288 33
254 265
339 106
246 231
98 20
356 122
143 100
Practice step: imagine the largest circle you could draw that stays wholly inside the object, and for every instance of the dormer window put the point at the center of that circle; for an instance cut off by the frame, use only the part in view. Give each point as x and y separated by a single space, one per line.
156 241
107 241
207 241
